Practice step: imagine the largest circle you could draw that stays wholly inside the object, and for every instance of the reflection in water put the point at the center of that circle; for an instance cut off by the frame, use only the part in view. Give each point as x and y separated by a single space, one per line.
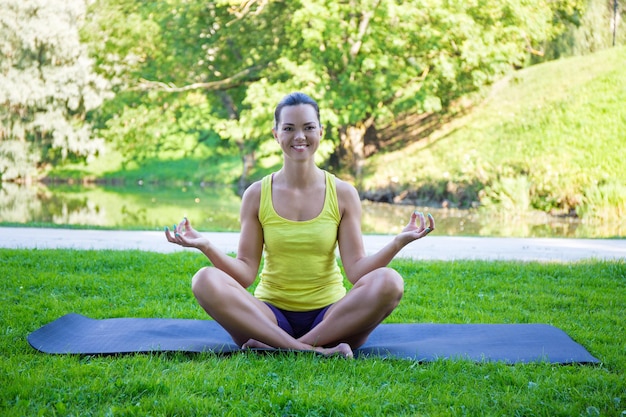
385 218
139 207
217 209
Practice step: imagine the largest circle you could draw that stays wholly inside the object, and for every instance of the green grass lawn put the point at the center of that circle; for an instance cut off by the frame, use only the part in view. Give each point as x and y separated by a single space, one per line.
587 300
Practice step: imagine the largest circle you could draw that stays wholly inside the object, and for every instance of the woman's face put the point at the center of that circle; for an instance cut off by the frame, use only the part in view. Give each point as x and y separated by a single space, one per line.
298 131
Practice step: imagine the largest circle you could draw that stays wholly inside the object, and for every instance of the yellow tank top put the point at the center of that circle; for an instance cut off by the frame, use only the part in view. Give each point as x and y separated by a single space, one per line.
300 270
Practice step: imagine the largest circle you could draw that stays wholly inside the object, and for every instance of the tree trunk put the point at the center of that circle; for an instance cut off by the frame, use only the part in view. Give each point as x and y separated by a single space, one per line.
353 148
248 160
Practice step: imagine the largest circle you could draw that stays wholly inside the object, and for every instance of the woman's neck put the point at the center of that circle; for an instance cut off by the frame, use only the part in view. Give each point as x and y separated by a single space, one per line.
299 175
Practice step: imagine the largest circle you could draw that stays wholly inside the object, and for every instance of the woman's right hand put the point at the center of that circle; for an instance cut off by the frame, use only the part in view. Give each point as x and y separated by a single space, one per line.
413 231
185 235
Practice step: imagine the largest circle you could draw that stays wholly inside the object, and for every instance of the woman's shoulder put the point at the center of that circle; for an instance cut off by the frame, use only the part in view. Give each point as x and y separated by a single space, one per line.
252 193
347 195
344 187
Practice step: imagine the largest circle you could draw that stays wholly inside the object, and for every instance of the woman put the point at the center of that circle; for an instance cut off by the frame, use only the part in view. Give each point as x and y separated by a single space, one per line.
298 215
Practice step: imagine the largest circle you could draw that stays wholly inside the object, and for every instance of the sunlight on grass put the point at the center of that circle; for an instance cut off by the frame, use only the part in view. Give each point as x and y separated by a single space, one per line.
584 299
548 138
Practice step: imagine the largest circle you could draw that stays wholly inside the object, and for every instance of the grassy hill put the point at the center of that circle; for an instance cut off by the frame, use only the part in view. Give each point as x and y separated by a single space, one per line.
551 137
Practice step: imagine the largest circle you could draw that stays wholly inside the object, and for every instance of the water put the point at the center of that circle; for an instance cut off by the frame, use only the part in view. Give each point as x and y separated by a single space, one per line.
217 209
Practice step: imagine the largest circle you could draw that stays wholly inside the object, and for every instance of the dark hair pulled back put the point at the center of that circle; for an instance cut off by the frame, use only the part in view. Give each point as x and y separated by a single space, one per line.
294 99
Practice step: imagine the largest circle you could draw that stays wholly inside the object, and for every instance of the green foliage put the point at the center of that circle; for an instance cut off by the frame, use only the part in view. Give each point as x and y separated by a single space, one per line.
47 86
508 194
583 299
379 59
604 201
179 79
163 127
589 28
200 79
365 61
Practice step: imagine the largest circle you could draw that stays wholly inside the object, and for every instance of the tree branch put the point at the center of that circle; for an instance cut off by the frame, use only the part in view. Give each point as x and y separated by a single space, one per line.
148 85
398 93
365 21
532 50
244 9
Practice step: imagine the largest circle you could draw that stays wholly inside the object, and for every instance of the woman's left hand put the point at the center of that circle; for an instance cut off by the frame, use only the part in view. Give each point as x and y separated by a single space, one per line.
413 230
185 235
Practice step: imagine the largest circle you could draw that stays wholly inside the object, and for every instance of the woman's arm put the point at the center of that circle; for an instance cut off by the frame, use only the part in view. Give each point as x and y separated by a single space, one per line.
353 257
244 267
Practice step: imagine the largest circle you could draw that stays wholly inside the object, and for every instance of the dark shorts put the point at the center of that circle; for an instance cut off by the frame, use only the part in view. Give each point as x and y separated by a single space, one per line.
298 323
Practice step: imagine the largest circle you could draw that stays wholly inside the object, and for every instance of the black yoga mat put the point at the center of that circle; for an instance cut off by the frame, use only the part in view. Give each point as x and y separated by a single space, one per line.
510 343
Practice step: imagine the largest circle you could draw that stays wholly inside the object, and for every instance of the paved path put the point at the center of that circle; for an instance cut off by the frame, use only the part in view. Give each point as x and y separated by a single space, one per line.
432 247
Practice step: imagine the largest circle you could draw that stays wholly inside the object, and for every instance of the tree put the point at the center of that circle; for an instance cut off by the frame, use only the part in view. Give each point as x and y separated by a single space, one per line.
225 64
47 86
381 58
182 71
582 27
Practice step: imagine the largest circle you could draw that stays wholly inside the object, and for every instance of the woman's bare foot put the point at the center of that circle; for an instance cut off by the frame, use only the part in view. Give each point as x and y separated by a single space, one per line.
342 349
255 344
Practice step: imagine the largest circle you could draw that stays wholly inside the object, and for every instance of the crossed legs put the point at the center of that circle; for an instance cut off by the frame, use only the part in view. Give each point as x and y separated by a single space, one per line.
346 325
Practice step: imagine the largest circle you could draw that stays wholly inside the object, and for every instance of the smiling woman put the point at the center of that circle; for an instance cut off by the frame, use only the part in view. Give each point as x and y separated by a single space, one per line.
299 131
297 126
296 218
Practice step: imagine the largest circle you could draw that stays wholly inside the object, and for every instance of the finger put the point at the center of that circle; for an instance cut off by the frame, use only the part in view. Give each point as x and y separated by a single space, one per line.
182 227
177 232
422 222
180 237
168 235
188 226
420 233
431 222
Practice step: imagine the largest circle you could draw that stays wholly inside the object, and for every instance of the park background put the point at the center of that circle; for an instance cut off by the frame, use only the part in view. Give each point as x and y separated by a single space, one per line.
512 110
504 118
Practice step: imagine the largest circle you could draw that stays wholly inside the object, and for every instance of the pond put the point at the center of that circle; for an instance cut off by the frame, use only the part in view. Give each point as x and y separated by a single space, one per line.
149 207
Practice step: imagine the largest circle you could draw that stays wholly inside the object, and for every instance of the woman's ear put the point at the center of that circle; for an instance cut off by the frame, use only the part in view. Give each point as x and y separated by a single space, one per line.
275 134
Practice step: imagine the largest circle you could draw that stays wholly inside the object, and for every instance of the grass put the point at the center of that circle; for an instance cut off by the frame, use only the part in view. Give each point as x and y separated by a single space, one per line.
584 299
199 166
547 138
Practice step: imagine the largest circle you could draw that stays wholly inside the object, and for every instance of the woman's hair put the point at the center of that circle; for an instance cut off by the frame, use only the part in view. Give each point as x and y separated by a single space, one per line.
294 99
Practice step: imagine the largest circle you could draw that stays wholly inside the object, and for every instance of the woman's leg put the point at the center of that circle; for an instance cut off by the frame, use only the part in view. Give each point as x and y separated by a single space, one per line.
356 315
249 321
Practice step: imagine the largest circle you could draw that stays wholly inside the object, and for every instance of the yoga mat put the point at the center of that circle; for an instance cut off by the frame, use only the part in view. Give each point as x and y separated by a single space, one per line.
424 342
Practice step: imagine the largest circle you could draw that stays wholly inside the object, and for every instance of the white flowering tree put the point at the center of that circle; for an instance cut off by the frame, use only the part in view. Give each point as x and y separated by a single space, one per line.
47 86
